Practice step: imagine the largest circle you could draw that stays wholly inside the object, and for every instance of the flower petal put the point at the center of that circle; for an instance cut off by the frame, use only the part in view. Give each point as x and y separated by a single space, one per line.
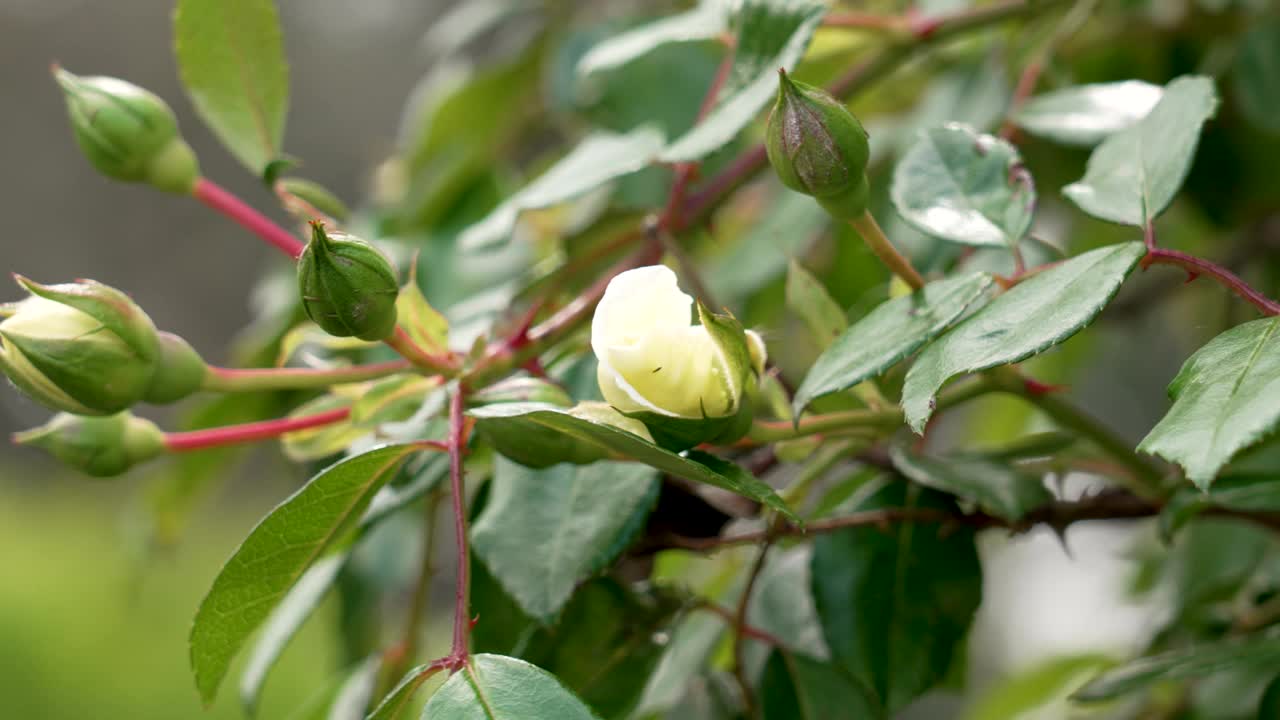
636 303
677 371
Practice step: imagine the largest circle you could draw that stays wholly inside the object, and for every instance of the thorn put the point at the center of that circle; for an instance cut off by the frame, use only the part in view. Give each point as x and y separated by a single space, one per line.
1035 388
1146 261
1191 276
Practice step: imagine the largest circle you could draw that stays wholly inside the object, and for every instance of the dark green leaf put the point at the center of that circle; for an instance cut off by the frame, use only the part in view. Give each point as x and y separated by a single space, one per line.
996 487
276 554
807 298
895 604
1244 494
1088 114
959 185
768 34
390 707
544 531
1226 397
232 62
624 445
493 687
889 333
1257 75
1185 663
595 161
284 623
1034 315
795 687
705 21
1134 174
1269 707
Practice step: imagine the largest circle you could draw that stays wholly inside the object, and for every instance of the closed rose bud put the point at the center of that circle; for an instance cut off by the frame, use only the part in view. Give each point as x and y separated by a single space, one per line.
98 446
128 133
82 347
818 148
348 288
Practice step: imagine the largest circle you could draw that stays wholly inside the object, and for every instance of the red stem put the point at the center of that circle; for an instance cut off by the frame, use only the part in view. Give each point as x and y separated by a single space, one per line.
685 171
461 620
1199 266
868 21
211 194
250 379
249 432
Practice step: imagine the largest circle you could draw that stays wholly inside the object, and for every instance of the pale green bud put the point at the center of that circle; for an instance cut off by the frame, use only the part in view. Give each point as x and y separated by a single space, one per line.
179 372
348 288
98 446
128 133
818 148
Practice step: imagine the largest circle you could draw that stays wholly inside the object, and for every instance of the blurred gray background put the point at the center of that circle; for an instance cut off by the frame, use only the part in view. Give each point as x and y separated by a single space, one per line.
352 66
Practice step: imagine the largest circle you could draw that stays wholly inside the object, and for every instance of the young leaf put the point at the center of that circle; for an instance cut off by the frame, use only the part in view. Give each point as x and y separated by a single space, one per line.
284 623
698 467
390 707
769 34
544 531
231 59
276 554
894 605
959 185
1088 114
1226 396
996 487
1134 174
1258 651
596 160
1034 315
493 687
705 21
426 327
807 298
794 687
887 334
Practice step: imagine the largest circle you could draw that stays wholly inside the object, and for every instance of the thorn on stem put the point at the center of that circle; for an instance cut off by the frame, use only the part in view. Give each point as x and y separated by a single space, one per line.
1035 388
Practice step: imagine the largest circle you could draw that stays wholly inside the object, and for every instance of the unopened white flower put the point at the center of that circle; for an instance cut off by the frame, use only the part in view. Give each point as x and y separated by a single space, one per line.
652 358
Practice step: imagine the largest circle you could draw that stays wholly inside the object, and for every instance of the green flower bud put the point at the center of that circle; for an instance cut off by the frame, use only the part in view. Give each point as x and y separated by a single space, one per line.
81 347
179 372
818 148
98 446
127 132
347 286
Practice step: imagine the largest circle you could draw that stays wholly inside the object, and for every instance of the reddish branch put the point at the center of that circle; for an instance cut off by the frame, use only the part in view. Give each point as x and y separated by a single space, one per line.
211 194
250 432
1197 266
457 657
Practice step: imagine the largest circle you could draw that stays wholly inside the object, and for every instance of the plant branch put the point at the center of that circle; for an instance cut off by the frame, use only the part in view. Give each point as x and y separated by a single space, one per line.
747 630
1066 27
875 239
221 379
401 342
684 172
1196 266
218 198
740 621
250 432
458 654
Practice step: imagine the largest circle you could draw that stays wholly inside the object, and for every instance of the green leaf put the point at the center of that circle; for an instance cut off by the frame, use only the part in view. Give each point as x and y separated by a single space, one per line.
781 231
1197 661
1257 75
1088 114
424 324
598 159
1226 397
807 298
231 59
768 34
285 621
705 21
544 531
960 185
493 687
887 334
326 440
997 488
278 552
1134 174
782 604
1034 315
1243 494
1040 692
794 687
390 707
895 604
620 444
1269 706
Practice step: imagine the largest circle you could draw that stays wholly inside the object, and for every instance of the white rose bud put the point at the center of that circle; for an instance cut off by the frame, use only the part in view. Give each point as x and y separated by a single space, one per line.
653 359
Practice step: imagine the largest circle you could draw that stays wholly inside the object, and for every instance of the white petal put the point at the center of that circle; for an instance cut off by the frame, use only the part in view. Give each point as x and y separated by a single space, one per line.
677 371
636 303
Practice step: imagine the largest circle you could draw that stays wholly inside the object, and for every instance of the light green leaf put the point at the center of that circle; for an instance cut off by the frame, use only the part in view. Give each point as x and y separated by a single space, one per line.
1034 315
1038 693
424 324
1134 174
324 441
769 34
598 159
959 185
1198 661
996 487
278 552
390 707
624 445
895 604
544 531
807 298
284 623
1257 75
794 687
231 59
1088 114
1226 397
889 333
705 21
493 687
